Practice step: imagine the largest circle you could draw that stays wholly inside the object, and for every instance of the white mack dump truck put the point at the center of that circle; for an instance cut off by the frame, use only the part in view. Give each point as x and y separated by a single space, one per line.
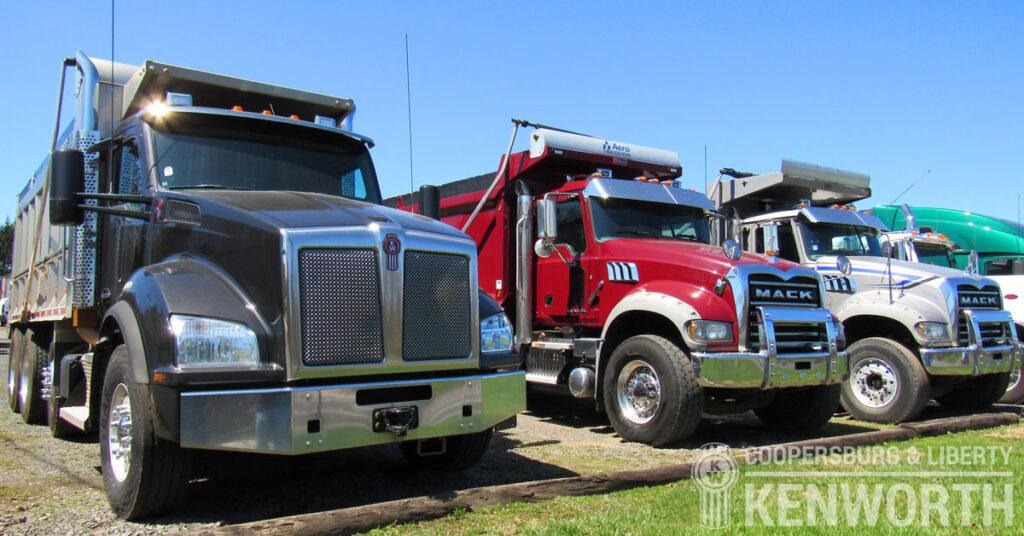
915 331
203 263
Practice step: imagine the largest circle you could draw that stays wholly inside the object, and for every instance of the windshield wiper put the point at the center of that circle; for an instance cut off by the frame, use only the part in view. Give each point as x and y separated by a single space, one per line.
636 232
206 187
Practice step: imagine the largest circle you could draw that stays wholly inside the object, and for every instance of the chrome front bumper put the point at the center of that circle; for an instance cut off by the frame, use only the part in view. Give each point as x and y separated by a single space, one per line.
767 369
975 359
313 419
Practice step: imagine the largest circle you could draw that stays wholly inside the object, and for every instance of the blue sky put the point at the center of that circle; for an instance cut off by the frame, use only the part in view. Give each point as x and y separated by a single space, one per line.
892 89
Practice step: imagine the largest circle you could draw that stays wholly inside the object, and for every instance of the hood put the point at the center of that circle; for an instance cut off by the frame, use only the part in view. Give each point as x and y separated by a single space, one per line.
903 272
692 254
291 210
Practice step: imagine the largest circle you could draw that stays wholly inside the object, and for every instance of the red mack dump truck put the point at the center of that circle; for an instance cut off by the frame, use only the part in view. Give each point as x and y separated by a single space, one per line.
617 293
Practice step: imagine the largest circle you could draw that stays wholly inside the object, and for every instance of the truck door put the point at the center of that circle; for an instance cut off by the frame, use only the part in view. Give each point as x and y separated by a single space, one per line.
122 241
561 284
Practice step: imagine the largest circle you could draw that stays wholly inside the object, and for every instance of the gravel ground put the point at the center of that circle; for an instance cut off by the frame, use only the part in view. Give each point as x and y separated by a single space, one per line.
51 486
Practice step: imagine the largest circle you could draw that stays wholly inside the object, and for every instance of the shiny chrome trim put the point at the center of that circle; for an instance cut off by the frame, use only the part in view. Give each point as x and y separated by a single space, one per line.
392 294
739 280
276 420
974 359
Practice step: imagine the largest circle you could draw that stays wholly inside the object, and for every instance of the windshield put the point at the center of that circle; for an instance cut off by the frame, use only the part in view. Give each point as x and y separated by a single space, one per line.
937 254
249 154
821 239
625 218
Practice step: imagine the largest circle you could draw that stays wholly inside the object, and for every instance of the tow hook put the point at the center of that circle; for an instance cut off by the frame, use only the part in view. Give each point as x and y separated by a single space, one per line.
398 420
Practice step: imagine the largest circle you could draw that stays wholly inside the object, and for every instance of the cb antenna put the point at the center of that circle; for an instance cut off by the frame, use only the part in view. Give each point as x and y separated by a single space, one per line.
408 96
913 184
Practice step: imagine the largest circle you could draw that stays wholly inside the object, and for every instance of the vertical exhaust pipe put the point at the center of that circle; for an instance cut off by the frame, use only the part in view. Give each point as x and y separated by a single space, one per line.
908 216
524 265
90 83
430 201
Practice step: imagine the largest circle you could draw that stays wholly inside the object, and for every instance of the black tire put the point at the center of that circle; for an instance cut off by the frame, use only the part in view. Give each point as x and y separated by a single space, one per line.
153 479
890 372
59 428
976 393
1015 390
461 452
801 410
649 363
14 369
33 360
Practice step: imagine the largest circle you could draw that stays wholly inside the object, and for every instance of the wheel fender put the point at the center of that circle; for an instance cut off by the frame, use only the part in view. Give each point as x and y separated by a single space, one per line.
182 285
909 309
675 310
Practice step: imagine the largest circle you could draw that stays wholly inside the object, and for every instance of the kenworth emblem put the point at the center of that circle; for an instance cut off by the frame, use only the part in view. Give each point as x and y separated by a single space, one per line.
392 246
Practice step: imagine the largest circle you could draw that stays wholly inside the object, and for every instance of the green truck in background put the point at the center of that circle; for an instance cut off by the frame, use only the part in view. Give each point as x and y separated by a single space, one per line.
999 244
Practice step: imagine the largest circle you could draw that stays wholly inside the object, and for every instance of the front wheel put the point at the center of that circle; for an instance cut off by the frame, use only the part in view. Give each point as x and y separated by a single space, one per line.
651 391
976 393
887 382
1015 390
458 453
143 475
801 410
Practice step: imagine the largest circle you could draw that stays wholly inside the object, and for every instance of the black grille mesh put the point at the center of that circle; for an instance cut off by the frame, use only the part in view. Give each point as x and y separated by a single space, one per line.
435 316
339 293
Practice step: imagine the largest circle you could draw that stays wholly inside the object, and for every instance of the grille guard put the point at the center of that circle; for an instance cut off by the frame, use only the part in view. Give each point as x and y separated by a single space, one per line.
975 359
767 369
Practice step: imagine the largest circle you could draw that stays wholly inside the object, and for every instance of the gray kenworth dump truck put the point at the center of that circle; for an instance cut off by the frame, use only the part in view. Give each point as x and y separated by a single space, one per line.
915 331
202 263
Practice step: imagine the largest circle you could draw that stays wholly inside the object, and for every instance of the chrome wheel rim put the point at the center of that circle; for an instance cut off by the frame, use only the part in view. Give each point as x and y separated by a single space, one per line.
119 432
1014 379
24 383
638 391
875 383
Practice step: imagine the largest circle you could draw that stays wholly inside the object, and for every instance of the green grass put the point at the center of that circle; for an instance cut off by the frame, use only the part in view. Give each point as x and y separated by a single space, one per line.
675 508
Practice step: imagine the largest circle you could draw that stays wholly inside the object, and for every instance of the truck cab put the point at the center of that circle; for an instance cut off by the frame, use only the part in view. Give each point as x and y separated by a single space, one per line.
916 331
204 264
618 294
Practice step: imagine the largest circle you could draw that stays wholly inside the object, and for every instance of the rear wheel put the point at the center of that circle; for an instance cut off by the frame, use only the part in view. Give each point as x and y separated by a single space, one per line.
976 393
143 475
33 360
458 453
14 369
887 382
801 410
651 392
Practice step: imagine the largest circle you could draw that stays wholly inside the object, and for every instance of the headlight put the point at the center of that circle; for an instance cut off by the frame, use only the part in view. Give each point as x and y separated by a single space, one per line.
202 341
495 334
706 331
932 331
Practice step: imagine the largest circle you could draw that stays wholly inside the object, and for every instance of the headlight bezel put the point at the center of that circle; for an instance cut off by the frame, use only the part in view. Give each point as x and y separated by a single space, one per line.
709 331
492 330
933 331
203 335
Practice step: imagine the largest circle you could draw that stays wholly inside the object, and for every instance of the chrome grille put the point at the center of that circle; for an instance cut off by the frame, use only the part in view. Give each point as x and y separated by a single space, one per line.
339 297
436 314
985 298
771 290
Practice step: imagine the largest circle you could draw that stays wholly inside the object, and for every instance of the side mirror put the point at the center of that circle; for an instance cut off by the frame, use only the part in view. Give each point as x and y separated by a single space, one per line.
430 201
887 249
771 240
547 219
843 264
543 248
67 179
972 262
732 250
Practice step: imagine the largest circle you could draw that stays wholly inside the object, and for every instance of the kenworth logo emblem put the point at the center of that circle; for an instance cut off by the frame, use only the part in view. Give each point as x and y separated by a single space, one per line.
392 246
615 149
975 301
790 295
